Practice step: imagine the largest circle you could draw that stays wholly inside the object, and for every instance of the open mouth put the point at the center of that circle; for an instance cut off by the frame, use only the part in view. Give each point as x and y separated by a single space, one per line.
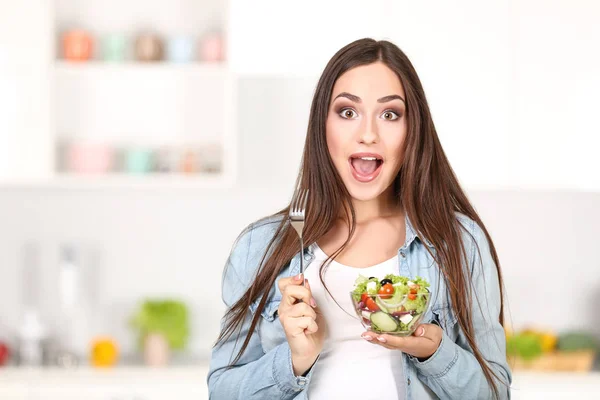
365 166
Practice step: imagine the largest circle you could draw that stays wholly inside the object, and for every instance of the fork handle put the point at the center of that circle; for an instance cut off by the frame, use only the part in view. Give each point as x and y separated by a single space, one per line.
302 261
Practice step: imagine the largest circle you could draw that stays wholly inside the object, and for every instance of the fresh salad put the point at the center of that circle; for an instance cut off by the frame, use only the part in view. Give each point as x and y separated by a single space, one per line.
392 304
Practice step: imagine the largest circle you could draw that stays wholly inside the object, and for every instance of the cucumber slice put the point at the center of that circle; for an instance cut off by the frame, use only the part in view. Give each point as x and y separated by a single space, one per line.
384 321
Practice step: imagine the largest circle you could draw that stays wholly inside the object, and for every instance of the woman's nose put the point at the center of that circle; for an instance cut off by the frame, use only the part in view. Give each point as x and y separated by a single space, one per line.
369 132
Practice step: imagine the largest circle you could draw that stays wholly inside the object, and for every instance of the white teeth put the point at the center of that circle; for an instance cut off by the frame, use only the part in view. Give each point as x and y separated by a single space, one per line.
369 158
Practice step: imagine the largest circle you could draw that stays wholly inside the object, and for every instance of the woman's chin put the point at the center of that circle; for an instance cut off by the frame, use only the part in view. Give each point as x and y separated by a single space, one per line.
362 192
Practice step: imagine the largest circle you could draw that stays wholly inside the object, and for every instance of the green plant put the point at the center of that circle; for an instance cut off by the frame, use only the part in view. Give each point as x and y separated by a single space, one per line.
525 345
577 340
167 317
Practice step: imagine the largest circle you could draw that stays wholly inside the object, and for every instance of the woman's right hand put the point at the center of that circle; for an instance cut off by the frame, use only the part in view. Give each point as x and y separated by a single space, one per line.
302 323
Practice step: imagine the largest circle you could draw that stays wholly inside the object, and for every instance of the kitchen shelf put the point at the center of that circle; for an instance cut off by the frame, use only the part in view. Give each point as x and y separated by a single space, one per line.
124 181
162 67
54 103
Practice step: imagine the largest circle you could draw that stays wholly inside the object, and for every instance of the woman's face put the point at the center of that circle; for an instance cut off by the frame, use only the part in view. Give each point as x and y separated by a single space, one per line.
366 127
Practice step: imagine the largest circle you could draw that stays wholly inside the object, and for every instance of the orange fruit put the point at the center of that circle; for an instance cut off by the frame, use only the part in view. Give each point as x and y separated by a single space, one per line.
549 341
105 352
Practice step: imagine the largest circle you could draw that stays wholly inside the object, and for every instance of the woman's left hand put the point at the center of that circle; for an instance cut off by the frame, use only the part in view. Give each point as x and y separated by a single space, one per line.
425 341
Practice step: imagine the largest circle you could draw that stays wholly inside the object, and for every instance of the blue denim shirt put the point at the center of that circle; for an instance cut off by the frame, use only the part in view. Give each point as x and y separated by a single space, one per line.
452 372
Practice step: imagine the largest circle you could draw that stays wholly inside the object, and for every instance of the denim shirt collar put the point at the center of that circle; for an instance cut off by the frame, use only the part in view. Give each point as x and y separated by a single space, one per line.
411 234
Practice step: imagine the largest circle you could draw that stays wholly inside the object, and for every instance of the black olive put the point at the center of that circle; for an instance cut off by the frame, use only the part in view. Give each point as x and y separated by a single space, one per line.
384 281
371 277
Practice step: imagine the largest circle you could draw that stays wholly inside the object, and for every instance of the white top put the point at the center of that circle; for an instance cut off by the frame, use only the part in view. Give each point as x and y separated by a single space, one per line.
350 367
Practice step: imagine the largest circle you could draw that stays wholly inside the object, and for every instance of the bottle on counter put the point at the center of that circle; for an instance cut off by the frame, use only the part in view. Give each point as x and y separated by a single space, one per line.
75 331
32 332
30 340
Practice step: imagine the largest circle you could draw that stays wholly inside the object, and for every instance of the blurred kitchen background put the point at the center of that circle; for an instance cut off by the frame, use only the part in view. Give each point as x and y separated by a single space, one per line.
137 139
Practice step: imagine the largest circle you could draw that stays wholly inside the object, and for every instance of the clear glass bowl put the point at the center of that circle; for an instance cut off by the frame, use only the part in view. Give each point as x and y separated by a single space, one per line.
397 317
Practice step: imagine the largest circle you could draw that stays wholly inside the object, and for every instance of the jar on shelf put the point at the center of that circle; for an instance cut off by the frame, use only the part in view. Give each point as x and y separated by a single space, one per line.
180 49
114 47
210 158
212 47
139 161
166 160
148 47
77 45
89 158
189 161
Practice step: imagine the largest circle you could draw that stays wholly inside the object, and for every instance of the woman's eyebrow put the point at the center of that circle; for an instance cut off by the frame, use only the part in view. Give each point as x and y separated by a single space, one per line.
390 98
357 99
352 97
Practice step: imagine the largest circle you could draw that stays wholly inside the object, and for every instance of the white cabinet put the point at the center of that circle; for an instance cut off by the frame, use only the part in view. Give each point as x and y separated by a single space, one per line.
126 112
25 80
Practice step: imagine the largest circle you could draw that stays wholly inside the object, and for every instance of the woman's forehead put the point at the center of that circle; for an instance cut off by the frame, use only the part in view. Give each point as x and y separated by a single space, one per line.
369 82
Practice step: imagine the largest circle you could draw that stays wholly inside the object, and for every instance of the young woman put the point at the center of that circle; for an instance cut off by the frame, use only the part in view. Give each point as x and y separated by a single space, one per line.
383 199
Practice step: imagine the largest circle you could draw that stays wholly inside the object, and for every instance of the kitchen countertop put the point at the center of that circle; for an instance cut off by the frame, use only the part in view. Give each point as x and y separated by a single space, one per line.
190 382
118 383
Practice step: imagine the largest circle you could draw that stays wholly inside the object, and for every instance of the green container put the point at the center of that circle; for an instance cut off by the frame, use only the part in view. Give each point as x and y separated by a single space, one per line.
139 161
114 48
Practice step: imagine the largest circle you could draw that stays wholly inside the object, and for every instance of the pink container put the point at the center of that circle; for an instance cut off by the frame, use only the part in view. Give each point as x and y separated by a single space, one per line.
212 48
90 158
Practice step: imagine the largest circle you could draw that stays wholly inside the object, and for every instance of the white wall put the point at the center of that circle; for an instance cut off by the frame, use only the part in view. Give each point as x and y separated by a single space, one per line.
175 243
157 242
513 90
512 84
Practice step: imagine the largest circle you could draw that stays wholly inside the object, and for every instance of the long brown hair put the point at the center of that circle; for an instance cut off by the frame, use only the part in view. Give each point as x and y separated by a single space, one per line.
426 186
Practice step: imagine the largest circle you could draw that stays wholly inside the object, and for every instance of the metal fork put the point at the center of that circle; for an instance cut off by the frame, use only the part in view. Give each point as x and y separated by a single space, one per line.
296 216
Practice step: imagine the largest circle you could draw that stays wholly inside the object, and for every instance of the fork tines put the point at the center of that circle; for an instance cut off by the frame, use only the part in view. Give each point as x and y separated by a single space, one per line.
298 208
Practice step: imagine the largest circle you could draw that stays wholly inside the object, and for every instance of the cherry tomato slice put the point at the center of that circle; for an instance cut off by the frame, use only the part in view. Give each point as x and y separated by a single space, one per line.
412 296
386 291
371 305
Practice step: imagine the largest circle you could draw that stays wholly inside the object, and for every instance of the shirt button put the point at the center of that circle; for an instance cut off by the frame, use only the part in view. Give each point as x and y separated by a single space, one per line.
402 254
301 382
408 382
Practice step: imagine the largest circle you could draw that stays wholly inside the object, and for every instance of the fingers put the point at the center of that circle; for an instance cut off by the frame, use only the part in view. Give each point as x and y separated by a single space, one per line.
296 309
420 331
292 291
387 341
292 280
423 343
300 310
409 344
302 325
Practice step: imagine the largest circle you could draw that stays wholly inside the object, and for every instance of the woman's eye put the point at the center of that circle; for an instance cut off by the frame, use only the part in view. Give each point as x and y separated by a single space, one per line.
390 115
348 113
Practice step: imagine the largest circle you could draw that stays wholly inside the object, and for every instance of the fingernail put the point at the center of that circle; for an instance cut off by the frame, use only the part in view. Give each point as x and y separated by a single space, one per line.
313 302
381 339
366 337
298 277
422 331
